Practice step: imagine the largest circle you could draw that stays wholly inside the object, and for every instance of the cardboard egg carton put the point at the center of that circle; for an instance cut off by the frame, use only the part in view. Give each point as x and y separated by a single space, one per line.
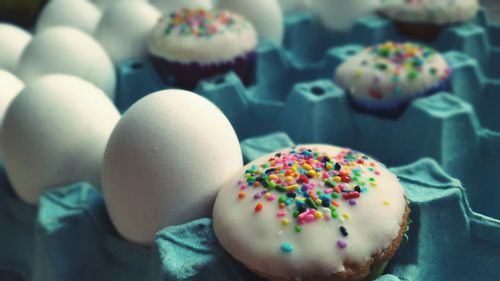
71 236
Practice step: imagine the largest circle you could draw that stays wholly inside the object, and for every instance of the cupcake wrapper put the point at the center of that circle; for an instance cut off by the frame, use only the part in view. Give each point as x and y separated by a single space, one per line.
187 75
395 108
419 31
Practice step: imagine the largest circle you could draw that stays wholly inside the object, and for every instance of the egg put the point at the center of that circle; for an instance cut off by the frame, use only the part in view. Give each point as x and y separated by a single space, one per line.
54 133
165 162
341 15
104 4
293 5
67 50
169 6
9 89
124 29
80 14
13 40
265 15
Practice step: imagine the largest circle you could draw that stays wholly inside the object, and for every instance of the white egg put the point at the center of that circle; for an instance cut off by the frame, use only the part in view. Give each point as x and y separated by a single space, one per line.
80 14
104 4
67 50
55 133
293 5
265 15
340 15
169 6
10 86
165 162
124 29
13 40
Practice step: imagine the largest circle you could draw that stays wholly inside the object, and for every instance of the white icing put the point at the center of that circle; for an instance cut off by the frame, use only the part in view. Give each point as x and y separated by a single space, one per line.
169 6
430 11
359 79
13 40
220 47
265 15
255 238
124 29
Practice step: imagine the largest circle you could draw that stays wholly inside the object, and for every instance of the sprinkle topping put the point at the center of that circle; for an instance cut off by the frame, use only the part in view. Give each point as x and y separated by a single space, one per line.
310 186
395 57
393 71
204 23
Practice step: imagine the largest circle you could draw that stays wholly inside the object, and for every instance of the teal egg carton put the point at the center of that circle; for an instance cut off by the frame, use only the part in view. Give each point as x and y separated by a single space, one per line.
439 138
17 234
75 239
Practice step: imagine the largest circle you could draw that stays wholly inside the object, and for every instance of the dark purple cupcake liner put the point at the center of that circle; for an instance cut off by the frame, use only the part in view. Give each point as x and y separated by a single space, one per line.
420 31
393 109
187 75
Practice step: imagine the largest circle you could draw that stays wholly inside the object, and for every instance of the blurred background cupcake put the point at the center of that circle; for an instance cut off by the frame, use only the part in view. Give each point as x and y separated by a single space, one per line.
193 44
424 19
384 79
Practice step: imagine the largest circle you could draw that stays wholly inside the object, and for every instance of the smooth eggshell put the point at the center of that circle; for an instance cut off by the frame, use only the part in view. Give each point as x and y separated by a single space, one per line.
13 40
265 15
54 134
124 29
294 5
104 4
9 89
67 50
340 15
169 6
165 162
80 14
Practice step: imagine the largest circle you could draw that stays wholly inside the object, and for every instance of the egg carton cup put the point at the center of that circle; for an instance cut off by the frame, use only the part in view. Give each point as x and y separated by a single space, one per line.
17 233
75 239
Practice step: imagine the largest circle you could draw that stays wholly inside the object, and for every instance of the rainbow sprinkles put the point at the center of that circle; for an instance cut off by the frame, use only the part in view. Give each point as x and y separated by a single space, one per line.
204 24
311 186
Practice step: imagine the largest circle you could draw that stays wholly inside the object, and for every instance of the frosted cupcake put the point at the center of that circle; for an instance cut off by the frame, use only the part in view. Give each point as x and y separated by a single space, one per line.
190 45
424 19
312 212
384 79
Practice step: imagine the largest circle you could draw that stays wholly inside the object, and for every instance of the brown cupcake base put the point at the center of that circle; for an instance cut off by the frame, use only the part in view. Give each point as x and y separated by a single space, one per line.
419 31
357 272
187 75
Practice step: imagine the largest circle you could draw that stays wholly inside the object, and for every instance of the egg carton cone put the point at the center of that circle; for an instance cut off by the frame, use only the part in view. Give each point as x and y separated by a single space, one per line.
293 93
17 233
75 240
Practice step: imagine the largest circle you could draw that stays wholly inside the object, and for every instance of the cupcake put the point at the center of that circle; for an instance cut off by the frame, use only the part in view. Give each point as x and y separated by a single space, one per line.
384 79
424 19
194 44
312 212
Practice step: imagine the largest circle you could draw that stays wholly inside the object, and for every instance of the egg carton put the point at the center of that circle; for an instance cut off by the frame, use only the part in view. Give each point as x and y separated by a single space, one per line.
74 238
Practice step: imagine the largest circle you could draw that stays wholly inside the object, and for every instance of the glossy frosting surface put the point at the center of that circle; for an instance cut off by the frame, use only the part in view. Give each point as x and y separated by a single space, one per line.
309 210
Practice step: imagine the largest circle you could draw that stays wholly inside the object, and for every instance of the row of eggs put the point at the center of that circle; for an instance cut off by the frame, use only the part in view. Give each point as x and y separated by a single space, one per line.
72 37
163 160
161 163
